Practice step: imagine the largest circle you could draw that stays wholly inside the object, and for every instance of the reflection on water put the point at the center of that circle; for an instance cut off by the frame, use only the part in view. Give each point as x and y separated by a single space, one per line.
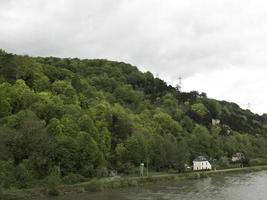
252 186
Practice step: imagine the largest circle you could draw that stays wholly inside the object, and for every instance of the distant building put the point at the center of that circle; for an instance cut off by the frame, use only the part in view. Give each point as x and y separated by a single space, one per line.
201 163
187 167
215 122
226 130
238 157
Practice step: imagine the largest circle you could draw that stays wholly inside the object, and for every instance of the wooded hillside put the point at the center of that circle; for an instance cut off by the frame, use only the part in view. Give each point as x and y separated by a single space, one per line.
86 117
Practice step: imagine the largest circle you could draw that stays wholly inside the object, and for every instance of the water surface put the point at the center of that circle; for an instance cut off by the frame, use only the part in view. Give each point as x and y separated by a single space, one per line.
243 186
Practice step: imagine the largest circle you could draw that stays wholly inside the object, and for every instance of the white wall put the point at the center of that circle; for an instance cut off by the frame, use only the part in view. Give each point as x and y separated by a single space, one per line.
201 165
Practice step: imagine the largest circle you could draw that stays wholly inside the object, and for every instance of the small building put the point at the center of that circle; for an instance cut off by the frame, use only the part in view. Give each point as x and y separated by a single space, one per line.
215 122
201 163
238 157
187 167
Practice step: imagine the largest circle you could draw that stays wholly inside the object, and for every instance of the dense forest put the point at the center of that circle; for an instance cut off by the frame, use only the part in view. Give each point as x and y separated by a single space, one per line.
83 118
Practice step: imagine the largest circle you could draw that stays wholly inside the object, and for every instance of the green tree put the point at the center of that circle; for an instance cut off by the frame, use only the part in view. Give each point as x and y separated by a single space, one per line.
5 108
165 124
199 109
200 141
65 91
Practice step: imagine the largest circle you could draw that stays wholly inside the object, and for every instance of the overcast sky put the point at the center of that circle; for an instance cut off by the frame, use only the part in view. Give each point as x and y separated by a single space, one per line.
217 46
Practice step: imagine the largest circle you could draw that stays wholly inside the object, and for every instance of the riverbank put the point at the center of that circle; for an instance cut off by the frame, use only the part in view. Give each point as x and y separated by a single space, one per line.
118 182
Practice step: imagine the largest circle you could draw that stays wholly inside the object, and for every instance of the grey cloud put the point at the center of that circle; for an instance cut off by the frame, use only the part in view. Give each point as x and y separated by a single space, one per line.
169 37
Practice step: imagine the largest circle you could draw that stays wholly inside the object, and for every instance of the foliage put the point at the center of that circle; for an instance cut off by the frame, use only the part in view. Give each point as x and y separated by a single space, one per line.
87 117
94 186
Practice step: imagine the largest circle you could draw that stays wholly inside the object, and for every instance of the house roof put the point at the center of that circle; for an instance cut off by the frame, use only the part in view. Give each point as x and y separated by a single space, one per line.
200 158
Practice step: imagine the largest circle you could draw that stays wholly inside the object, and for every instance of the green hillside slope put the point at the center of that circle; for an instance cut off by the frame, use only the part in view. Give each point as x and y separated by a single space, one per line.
60 117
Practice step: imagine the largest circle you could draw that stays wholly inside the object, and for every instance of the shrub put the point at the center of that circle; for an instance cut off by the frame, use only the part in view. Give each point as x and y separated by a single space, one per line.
22 176
53 192
193 175
14 194
133 183
115 184
223 162
94 186
203 175
124 183
257 161
72 179
1 191
52 182
6 176
88 171
101 172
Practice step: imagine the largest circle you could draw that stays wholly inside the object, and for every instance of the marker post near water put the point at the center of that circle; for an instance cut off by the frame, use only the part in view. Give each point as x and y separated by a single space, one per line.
142 169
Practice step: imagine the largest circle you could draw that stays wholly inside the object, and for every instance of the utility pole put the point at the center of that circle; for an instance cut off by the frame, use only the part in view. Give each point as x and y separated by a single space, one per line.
249 105
179 85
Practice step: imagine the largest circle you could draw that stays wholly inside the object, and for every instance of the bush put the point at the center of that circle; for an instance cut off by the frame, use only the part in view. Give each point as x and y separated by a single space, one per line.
52 182
72 179
1 191
131 169
53 192
257 161
14 194
115 184
6 176
88 171
101 172
224 162
124 183
22 176
94 186
203 175
133 183
193 175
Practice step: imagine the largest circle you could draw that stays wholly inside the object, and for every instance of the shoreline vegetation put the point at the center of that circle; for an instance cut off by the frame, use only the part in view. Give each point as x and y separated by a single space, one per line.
65 121
98 185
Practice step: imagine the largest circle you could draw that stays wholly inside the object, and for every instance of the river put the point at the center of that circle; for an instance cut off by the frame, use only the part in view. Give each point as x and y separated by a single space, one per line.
240 186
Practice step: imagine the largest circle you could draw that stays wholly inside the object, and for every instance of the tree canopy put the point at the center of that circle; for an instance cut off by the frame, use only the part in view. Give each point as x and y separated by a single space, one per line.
86 117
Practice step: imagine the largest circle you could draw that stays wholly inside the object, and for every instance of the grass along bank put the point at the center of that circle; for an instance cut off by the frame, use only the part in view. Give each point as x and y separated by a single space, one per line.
97 185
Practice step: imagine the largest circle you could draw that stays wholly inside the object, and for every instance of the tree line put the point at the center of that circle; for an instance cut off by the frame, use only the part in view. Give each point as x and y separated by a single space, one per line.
83 118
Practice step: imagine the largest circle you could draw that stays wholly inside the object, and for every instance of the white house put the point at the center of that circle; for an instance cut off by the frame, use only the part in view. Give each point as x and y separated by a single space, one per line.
201 163
238 157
